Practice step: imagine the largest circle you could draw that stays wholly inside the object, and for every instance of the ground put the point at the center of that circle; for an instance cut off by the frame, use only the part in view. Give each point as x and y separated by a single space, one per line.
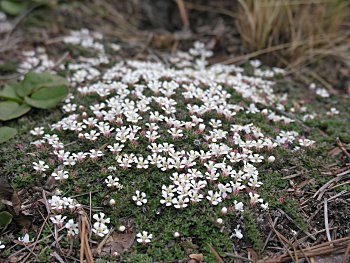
291 184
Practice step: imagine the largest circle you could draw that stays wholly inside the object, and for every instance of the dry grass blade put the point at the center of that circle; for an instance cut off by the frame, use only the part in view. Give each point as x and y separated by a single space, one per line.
268 23
325 206
335 246
216 254
183 14
85 250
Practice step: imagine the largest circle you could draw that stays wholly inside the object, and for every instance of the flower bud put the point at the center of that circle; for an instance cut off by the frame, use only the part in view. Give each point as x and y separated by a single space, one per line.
176 234
219 221
112 202
271 159
264 112
224 210
122 228
201 127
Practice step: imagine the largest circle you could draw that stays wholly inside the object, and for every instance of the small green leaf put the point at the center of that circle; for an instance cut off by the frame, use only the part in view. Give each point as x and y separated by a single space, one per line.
6 133
11 110
9 93
35 81
47 97
12 7
5 220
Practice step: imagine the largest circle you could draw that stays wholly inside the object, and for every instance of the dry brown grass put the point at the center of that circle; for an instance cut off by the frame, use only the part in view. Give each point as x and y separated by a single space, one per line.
303 31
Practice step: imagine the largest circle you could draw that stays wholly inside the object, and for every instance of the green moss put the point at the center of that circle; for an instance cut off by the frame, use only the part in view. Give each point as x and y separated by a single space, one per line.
44 254
252 230
291 208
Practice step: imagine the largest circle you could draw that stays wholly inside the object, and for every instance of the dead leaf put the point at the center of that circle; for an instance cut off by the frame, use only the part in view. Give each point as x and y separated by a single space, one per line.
51 183
253 254
9 196
197 257
120 242
163 41
23 221
335 152
304 183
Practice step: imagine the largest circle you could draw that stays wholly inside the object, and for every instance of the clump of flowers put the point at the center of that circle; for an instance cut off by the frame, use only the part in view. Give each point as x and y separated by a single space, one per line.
144 117
100 226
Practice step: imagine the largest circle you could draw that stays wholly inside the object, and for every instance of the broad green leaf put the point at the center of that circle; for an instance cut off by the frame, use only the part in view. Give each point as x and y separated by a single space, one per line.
35 81
9 93
11 110
47 97
5 220
12 7
6 133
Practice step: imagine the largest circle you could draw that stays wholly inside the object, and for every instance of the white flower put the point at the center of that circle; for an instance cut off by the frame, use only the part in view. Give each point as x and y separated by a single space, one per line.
72 228
25 239
214 197
112 182
144 237
58 220
323 93
2 246
224 189
238 206
100 218
333 111
60 175
254 198
139 198
37 131
40 166
238 233
180 202
100 229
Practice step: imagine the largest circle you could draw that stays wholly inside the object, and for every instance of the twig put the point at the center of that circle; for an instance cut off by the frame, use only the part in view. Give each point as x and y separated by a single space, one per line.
269 235
19 19
302 251
283 240
338 178
238 257
103 242
341 146
82 239
78 195
37 238
60 60
46 203
338 194
325 206
36 242
319 250
346 254
58 257
317 232
291 220
90 204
